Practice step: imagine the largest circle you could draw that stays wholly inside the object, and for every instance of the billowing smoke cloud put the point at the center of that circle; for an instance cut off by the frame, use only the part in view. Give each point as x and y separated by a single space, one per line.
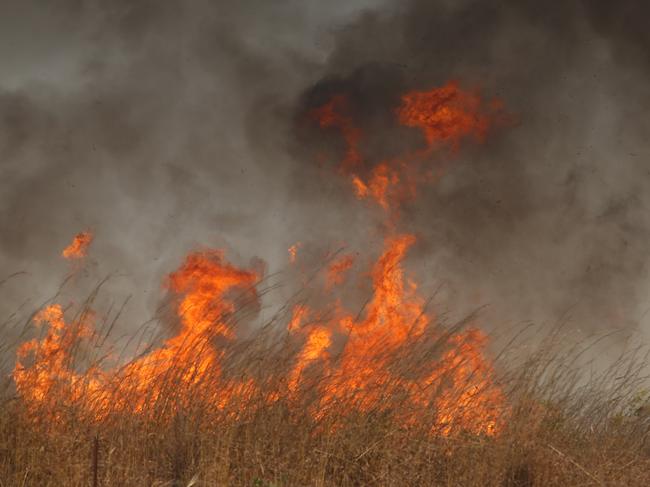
550 216
163 126
129 119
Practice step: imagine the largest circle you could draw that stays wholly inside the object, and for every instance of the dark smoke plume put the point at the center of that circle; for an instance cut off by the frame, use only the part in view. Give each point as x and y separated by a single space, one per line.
164 126
550 217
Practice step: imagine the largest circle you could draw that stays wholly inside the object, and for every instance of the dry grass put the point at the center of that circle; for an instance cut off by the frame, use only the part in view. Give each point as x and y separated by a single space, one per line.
566 427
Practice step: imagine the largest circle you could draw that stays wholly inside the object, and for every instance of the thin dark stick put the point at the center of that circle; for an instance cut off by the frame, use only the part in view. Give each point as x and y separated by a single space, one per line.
95 461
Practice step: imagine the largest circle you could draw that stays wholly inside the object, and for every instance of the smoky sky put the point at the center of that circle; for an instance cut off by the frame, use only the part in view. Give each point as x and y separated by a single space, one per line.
130 119
167 126
549 218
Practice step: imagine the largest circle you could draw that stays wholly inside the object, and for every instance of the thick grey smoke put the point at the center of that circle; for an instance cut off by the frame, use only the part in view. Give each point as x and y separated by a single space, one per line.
130 118
164 126
549 217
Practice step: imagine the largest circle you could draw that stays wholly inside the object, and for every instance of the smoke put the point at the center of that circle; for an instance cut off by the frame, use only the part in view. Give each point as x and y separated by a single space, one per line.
129 119
168 126
549 218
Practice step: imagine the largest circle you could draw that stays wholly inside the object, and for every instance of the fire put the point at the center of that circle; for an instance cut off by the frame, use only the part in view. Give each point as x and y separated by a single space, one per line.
380 183
458 386
78 248
335 114
337 269
293 251
393 357
40 383
315 348
211 291
444 115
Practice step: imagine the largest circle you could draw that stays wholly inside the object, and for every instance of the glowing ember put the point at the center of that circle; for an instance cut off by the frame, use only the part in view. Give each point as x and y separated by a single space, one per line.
78 248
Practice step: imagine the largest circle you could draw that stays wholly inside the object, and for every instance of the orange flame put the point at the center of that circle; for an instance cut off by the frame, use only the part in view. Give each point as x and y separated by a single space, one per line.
335 114
337 269
353 363
293 251
40 383
211 291
444 115
78 248
459 386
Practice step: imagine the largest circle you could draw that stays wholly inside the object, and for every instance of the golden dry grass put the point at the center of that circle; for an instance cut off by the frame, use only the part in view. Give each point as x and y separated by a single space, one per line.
564 428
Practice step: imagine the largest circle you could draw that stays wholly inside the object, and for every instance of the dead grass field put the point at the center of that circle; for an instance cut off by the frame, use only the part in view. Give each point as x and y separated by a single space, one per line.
562 428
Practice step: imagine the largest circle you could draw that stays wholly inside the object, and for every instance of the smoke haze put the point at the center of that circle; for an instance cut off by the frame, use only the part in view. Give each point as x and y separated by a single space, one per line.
167 126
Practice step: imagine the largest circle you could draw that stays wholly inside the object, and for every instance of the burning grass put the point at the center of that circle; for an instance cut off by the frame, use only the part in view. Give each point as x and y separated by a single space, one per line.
252 420
322 393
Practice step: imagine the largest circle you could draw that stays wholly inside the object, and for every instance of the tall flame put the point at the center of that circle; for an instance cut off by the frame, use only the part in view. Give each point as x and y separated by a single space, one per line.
393 357
353 360
458 385
211 290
